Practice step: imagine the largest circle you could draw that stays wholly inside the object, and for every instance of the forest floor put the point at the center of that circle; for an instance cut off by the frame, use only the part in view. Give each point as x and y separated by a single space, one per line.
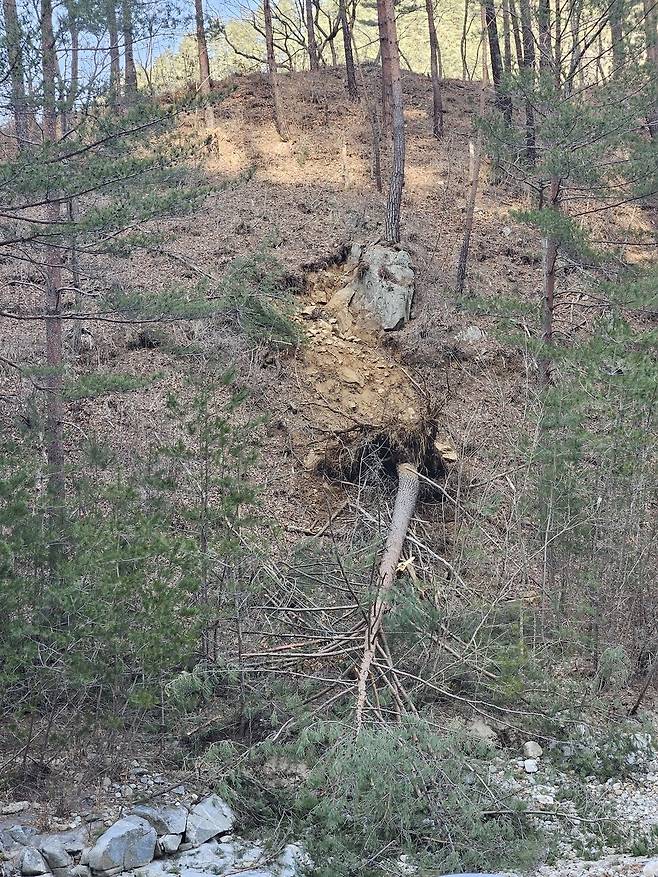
303 201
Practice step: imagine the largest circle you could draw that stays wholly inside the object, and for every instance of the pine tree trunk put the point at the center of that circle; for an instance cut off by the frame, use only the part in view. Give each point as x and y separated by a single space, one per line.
405 504
548 300
503 101
651 38
544 20
130 71
529 69
507 39
54 436
115 60
437 97
13 36
616 35
204 62
313 61
396 184
352 89
373 116
279 120
474 164
517 34
384 50
463 43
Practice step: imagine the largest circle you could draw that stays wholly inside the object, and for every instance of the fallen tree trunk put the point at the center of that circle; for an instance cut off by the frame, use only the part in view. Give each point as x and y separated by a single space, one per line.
405 504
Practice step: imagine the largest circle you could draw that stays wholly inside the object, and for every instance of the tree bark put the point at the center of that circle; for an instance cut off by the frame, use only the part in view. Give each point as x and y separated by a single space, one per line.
396 183
529 70
279 120
384 50
548 300
651 38
54 437
503 101
350 73
616 35
130 71
14 38
475 163
437 97
544 20
204 62
375 128
313 60
115 60
463 43
507 39
517 34
405 504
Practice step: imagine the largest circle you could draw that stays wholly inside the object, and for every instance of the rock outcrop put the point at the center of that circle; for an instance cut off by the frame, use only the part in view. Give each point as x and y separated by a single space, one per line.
382 285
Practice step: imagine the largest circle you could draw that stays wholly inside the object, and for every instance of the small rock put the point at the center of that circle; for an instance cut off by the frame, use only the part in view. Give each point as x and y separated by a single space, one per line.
80 871
33 863
480 729
169 843
14 807
651 868
210 817
471 335
532 749
530 765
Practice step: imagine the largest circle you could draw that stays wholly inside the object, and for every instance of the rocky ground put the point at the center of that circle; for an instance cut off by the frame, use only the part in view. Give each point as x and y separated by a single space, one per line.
191 833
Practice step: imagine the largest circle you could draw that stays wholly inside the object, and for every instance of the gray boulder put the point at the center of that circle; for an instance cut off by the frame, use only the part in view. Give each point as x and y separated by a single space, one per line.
207 819
33 863
55 853
168 819
128 844
382 285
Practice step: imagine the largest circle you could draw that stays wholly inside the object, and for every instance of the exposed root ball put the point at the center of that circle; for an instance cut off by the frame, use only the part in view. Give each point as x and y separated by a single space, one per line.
375 452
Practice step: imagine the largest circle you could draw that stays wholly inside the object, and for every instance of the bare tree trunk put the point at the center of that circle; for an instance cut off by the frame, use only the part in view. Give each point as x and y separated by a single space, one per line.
350 73
396 184
279 120
387 95
550 264
130 72
463 43
529 69
503 101
616 35
115 60
507 39
313 60
14 39
405 504
651 37
54 435
544 20
517 34
332 49
370 107
204 62
475 163
437 97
